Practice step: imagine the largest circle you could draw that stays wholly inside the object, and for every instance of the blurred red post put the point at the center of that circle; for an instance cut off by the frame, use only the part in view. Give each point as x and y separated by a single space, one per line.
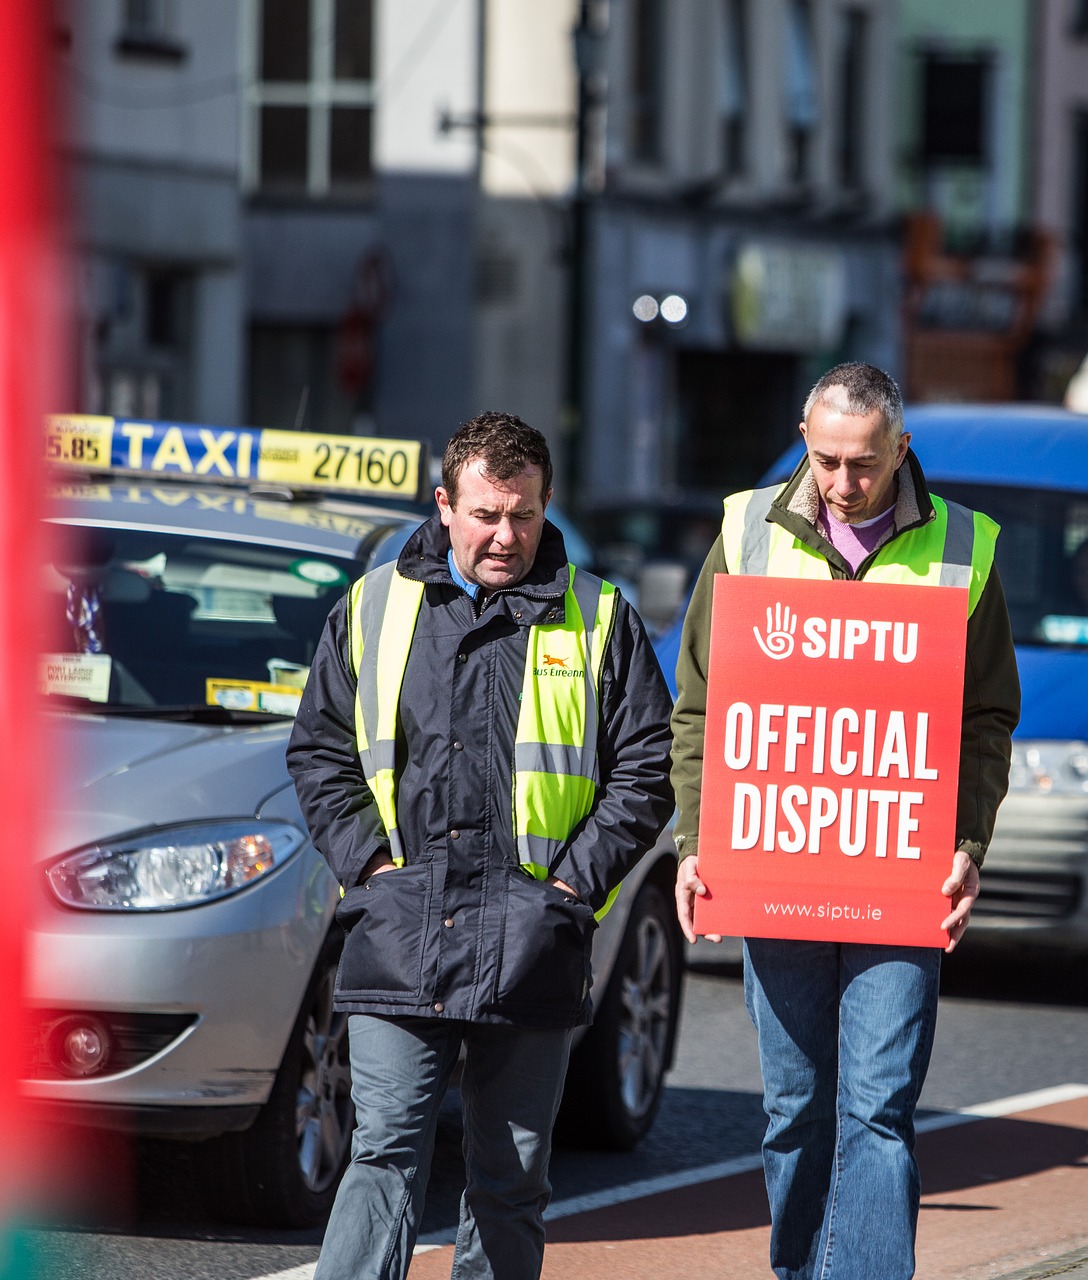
30 338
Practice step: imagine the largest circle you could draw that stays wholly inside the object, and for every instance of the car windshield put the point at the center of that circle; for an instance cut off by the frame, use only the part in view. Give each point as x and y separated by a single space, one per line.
1042 556
152 622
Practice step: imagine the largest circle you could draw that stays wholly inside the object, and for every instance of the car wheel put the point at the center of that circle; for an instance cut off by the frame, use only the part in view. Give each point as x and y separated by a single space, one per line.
284 1170
616 1074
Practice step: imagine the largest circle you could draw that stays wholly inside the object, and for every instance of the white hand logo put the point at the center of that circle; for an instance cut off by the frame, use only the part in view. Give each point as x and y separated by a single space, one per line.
781 624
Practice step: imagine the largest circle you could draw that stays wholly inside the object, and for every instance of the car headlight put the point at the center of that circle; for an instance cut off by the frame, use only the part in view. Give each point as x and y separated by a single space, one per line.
1041 767
173 867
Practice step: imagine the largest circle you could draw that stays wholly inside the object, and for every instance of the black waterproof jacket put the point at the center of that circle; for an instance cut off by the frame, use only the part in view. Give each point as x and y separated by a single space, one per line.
461 931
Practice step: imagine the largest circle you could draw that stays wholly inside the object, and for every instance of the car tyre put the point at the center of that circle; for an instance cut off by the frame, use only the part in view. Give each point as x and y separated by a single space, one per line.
284 1170
617 1072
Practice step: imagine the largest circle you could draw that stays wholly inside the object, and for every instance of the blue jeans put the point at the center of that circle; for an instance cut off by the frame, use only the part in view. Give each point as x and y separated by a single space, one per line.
845 1034
510 1090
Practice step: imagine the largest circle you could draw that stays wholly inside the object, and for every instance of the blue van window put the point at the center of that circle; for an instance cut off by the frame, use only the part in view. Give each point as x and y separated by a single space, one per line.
1042 556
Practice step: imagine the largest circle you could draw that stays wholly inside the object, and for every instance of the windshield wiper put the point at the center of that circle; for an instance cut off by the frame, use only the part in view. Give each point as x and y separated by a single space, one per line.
194 715
203 714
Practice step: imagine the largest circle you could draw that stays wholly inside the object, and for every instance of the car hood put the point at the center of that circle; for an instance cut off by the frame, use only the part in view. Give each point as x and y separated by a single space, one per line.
1054 685
120 775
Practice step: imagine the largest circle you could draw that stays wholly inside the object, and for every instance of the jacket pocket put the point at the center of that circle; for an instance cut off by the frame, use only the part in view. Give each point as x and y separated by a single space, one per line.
544 964
385 921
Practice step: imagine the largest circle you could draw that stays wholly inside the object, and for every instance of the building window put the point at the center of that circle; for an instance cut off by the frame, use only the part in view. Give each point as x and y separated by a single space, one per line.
147 17
802 97
147 30
294 383
141 355
167 309
311 97
852 89
954 108
733 87
644 131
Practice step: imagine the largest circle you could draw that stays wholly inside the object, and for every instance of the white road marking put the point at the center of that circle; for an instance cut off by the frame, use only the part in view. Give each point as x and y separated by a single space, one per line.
1028 1101
744 1164
307 1269
747 1164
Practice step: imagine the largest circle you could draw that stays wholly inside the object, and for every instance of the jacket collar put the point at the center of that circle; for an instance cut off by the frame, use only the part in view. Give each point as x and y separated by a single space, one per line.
424 560
797 505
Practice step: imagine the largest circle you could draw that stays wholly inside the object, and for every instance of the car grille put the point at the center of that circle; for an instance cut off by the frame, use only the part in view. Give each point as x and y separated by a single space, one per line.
1027 895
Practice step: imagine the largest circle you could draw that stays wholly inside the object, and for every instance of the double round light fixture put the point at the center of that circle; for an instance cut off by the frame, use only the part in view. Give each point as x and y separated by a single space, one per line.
672 308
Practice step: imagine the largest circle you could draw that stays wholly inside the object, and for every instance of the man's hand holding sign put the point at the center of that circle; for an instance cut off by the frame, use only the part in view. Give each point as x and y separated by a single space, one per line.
832 752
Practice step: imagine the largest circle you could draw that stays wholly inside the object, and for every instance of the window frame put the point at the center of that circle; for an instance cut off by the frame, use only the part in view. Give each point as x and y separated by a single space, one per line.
938 147
802 90
319 96
644 126
853 75
149 34
734 86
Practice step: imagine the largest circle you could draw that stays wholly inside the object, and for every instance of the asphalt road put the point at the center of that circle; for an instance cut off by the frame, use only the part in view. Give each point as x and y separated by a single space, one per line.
1008 1026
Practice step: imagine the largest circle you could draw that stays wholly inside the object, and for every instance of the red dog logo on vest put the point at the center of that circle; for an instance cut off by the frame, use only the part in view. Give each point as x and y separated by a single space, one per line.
549 661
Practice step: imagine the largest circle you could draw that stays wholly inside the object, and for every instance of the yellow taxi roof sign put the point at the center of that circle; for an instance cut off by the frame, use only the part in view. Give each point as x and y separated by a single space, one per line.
239 455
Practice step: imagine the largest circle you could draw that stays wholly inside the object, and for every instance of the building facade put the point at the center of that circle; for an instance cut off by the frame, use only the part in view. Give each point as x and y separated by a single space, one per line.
645 225
268 225
971 295
741 239
152 145
381 216
359 214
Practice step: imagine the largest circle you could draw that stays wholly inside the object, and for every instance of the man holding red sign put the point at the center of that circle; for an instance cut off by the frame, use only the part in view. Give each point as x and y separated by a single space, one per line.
838 739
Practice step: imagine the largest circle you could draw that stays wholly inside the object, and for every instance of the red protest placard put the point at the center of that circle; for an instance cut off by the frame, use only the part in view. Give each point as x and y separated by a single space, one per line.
831 761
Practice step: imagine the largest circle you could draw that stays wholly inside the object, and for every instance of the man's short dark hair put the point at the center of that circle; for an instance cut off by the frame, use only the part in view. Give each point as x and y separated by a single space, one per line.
505 443
864 389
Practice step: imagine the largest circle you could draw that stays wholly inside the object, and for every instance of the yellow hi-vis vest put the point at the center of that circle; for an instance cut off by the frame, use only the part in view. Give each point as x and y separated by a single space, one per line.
555 767
955 549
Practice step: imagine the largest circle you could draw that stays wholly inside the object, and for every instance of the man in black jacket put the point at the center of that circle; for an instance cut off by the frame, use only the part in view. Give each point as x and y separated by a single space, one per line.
479 782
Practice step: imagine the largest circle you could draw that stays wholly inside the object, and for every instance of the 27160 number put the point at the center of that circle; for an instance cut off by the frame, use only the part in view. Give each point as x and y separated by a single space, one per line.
341 462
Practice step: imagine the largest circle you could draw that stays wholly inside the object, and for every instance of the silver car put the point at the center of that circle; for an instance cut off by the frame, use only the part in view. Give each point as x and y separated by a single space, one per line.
183 948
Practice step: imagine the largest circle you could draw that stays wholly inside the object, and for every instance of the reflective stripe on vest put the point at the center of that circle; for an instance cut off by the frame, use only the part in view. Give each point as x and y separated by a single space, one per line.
955 549
555 768
380 609
555 747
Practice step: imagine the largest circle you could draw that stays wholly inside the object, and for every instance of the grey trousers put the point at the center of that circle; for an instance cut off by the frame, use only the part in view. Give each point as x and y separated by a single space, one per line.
510 1091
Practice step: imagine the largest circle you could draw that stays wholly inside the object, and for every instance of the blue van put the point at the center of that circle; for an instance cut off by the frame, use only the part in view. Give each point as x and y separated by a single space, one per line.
1027 467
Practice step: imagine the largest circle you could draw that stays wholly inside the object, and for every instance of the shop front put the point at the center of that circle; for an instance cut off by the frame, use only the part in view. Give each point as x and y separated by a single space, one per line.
704 337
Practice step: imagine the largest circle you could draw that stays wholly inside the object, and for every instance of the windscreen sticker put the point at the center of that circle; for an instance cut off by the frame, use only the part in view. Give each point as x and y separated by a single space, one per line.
253 695
77 675
320 572
291 675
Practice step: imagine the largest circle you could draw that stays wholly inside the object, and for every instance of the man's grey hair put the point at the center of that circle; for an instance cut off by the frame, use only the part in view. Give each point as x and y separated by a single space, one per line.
860 389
